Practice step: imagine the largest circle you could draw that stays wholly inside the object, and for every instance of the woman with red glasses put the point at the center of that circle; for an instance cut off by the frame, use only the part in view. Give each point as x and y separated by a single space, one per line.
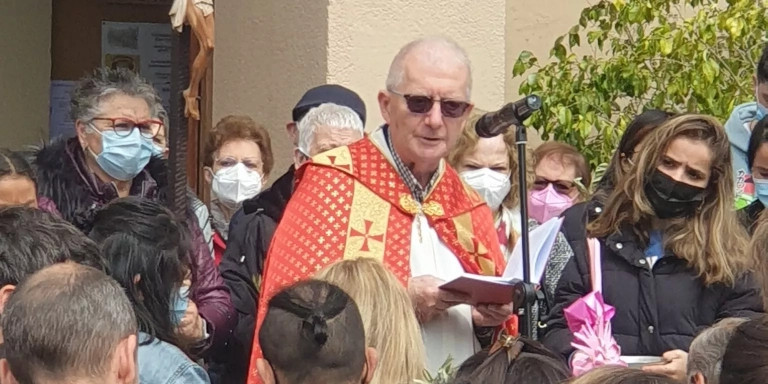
110 157
560 172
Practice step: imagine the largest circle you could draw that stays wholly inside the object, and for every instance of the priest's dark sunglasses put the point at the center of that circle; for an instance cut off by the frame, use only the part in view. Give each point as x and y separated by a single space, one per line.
423 104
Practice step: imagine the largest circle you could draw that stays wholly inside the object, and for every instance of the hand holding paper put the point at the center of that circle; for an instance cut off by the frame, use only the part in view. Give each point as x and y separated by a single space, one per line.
491 315
429 300
498 290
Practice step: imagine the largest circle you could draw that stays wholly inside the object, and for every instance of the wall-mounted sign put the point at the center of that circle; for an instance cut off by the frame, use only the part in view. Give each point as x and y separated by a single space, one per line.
144 48
61 124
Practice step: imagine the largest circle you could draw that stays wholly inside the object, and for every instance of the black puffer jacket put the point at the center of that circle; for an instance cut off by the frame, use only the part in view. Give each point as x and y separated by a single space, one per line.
250 233
574 228
657 309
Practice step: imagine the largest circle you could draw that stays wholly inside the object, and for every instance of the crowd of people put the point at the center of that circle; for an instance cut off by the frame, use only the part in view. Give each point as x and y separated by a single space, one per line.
334 273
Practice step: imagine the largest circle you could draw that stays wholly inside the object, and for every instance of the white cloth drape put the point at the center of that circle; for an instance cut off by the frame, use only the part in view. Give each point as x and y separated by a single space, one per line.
179 11
450 333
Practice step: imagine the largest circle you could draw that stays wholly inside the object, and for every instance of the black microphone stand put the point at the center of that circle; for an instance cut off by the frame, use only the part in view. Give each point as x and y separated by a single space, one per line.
524 292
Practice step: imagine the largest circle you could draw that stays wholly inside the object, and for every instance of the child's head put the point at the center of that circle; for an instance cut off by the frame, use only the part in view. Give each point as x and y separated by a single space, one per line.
390 325
511 361
17 180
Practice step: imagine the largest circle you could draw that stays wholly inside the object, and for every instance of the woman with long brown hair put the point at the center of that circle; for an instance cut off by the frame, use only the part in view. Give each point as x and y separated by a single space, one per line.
674 257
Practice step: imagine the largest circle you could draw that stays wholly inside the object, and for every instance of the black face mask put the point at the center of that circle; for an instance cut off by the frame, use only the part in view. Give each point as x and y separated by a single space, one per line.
671 198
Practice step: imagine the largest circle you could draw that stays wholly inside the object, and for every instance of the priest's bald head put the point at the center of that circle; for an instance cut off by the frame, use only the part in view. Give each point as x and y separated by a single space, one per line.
426 102
313 333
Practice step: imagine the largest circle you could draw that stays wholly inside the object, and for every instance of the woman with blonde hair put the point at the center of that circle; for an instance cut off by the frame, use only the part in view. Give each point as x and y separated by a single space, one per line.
490 167
674 257
390 323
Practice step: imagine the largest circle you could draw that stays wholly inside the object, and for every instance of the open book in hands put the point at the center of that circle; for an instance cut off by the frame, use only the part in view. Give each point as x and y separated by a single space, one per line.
498 290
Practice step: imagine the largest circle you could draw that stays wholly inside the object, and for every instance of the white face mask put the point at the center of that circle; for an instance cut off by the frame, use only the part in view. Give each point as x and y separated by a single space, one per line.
232 185
492 186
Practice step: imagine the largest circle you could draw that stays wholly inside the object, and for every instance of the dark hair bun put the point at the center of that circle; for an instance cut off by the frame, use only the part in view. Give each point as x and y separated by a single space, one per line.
316 326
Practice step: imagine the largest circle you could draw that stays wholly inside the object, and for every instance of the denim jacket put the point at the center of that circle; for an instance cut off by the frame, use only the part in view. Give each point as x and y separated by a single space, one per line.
163 363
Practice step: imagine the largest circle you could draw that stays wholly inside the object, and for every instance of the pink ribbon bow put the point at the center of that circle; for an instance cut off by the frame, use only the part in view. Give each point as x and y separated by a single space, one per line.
589 319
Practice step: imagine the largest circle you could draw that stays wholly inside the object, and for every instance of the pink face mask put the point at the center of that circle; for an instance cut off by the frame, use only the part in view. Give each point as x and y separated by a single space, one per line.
547 203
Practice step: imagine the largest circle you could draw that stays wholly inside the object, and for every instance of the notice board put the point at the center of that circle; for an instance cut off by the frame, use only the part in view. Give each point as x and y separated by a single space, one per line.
76 30
76 47
144 48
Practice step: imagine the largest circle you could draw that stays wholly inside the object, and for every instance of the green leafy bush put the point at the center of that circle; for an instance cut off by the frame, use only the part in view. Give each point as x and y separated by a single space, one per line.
678 55
444 374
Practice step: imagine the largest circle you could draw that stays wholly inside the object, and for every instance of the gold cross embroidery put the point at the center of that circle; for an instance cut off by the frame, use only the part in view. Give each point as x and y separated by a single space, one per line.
366 235
429 208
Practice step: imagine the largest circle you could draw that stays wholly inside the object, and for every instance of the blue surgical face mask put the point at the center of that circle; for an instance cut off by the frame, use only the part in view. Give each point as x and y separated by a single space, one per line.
761 190
123 157
762 110
179 303
156 150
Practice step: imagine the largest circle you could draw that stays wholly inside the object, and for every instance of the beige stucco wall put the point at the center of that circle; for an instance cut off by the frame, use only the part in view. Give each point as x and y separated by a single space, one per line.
269 52
25 71
534 25
364 36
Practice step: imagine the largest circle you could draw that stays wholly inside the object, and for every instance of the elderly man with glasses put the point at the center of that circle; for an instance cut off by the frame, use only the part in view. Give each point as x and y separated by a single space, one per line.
392 197
115 114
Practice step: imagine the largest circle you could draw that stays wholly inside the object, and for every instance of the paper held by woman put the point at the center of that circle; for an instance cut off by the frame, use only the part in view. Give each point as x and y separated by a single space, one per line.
640 361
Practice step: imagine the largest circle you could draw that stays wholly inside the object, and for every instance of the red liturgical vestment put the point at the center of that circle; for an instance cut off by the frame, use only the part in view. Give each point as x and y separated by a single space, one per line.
351 202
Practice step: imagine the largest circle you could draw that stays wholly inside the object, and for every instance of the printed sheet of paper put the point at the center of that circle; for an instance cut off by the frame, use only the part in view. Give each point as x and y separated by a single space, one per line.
541 240
497 290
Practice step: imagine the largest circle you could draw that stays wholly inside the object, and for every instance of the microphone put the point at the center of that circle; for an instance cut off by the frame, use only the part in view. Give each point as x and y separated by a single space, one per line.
495 123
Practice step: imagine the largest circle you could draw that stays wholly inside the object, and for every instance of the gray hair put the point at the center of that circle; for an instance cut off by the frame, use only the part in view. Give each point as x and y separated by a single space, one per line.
103 83
159 112
65 322
333 115
705 355
437 50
